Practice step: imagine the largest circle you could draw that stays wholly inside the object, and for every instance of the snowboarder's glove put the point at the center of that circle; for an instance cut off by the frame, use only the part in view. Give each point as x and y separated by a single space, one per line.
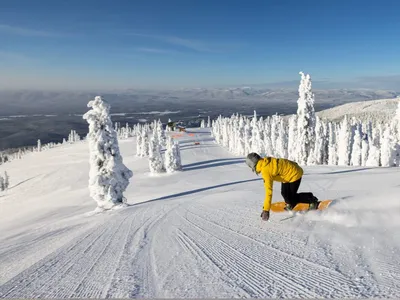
265 215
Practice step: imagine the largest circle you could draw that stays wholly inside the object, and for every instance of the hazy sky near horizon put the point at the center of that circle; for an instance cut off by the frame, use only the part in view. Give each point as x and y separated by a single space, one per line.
79 44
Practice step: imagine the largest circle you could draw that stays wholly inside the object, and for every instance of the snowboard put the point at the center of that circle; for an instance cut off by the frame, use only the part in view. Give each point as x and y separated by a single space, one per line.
279 206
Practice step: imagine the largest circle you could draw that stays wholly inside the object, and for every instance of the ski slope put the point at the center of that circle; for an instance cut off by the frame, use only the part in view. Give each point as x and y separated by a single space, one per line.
195 233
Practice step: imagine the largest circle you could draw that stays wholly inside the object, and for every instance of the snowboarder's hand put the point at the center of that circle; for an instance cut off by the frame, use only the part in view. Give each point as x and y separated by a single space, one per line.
265 215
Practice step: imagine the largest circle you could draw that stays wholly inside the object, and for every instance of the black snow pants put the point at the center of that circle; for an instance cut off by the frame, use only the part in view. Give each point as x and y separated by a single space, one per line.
290 195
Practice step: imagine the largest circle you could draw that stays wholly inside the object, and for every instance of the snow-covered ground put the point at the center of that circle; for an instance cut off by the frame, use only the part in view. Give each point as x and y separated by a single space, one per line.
195 233
381 110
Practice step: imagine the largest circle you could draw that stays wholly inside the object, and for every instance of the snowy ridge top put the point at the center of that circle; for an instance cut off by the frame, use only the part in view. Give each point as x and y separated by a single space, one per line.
378 109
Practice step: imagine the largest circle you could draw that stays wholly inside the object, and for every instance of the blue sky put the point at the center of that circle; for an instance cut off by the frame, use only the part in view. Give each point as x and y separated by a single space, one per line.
120 44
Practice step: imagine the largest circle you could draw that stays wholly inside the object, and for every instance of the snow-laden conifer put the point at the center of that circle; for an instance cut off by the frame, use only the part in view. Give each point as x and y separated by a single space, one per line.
305 119
108 177
156 164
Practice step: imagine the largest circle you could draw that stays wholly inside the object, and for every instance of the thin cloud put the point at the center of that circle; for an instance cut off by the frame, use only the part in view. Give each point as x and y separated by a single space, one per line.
155 50
7 29
196 45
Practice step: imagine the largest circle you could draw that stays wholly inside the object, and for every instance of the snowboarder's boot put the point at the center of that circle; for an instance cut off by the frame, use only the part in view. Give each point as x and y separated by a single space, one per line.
314 204
288 207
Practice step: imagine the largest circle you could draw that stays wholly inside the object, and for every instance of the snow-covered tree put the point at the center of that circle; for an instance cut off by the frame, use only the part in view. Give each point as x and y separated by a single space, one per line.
292 137
209 122
203 124
2 185
139 145
6 180
388 148
159 132
282 140
374 153
73 137
344 142
256 140
305 119
172 160
108 177
356 153
332 144
155 158
318 155
247 136
39 146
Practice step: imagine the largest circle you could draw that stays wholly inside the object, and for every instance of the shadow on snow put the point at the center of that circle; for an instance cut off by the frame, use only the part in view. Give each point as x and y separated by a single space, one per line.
197 191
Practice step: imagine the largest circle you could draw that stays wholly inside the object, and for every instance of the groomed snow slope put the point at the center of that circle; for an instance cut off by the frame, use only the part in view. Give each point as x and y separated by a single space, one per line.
195 233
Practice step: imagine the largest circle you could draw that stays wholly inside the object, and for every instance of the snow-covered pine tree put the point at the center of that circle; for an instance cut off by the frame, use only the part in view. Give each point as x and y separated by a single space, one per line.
305 119
6 180
397 116
209 122
282 140
256 140
344 143
240 146
127 131
318 153
388 148
374 153
145 144
161 134
292 137
202 123
247 136
275 120
139 145
178 159
156 164
268 147
172 160
356 153
2 185
39 146
169 156
108 177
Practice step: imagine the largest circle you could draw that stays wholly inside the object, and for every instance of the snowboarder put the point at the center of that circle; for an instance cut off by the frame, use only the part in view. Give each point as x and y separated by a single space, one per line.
282 170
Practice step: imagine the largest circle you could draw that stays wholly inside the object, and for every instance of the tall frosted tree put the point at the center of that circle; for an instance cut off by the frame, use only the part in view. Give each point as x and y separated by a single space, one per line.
156 163
172 161
344 142
305 119
6 180
356 153
2 184
145 143
282 140
332 145
108 176
292 137
374 153
388 148
139 144
318 153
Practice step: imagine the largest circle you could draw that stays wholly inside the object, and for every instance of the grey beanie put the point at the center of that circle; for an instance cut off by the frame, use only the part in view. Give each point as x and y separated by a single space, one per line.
252 160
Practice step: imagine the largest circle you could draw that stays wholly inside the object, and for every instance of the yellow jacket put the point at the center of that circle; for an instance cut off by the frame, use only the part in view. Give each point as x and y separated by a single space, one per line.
277 169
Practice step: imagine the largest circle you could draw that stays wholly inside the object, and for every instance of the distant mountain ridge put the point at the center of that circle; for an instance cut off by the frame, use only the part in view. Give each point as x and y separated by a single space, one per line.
56 102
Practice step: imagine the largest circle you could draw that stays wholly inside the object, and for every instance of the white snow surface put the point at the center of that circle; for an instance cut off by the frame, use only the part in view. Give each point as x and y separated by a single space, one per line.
195 233
381 110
